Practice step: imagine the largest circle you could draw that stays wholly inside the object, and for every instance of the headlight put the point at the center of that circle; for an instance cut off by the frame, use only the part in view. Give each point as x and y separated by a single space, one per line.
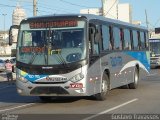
77 77
21 79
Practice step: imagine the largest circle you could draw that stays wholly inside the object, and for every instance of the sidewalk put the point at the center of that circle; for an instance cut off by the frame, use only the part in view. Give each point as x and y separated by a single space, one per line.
3 77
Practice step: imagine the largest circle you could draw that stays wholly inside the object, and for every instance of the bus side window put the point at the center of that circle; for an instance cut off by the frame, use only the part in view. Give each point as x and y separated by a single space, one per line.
127 39
122 38
139 40
117 42
105 38
95 37
146 40
135 40
91 38
131 36
142 40
111 45
97 40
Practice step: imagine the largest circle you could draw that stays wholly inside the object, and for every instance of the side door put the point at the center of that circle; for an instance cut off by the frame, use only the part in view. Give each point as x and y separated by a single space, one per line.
94 56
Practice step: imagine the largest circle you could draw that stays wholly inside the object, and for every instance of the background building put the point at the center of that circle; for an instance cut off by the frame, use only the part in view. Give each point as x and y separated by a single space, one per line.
125 12
152 34
5 49
95 11
111 9
18 15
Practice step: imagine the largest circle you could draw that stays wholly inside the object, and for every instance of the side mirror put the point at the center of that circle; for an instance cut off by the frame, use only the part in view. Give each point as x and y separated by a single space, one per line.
11 31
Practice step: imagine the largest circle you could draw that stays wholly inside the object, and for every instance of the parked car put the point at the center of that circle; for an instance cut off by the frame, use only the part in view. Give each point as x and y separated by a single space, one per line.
2 65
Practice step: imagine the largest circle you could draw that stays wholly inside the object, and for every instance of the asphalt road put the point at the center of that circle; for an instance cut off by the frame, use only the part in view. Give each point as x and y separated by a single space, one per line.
143 102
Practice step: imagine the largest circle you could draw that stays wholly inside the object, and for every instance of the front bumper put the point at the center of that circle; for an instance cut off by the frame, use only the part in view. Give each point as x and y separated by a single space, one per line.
30 89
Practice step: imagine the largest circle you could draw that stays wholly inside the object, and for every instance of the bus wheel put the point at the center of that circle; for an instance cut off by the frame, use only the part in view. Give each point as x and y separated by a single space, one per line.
134 85
104 88
45 98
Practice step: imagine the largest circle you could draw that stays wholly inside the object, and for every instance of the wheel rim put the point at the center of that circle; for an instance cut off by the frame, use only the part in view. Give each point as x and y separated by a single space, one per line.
136 78
104 86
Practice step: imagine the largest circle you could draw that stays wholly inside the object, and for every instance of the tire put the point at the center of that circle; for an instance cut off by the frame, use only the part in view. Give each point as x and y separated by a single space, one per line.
45 98
104 88
134 85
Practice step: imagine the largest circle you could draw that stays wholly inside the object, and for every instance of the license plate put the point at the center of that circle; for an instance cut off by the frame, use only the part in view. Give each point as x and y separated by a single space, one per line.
76 85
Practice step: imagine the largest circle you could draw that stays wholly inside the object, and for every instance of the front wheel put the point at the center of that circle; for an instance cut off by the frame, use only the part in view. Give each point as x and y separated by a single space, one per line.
104 88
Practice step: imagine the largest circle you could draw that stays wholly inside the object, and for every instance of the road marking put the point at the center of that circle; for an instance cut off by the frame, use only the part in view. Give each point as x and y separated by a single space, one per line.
21 106
111 109
152 74
5 87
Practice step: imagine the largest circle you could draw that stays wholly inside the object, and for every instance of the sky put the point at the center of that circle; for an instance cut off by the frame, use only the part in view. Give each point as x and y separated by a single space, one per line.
46 7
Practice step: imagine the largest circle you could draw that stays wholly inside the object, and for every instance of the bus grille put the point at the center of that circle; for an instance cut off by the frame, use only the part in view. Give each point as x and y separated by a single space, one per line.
48 90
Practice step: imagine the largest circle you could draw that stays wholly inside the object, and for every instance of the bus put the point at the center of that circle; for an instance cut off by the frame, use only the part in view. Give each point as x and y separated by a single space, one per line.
79 55
155 52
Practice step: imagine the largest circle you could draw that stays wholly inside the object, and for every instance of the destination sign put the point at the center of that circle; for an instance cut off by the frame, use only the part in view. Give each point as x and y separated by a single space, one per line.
53 24
32 49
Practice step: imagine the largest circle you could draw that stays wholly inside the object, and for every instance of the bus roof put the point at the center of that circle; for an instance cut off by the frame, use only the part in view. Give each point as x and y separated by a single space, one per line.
88 17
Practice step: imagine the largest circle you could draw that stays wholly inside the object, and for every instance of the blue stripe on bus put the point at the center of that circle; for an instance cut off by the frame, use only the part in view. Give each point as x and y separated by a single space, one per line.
33 78
30 77
143 57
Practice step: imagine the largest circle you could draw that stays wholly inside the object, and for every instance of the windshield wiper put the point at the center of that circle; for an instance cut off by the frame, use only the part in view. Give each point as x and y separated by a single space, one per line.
61 59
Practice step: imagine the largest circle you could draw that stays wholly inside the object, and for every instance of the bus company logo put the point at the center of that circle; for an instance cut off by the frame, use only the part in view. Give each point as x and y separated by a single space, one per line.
116 61
33 76
47 78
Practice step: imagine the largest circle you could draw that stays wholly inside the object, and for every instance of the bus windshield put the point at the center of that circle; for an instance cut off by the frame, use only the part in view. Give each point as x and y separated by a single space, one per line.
51 43
155 47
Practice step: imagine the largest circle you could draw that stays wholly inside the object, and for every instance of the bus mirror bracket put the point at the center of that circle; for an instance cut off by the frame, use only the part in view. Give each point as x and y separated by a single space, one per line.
92 32
10 39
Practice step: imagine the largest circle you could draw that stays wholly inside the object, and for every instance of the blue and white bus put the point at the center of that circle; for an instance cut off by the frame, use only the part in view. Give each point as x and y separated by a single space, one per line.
79 55
155 52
